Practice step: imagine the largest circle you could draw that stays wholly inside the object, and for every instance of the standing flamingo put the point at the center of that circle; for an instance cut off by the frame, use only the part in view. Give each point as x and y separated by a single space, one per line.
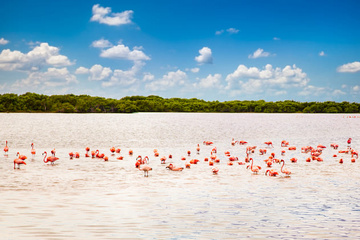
87 149
18 161
146 170
284 170
33 152
51 159
6 148
255 169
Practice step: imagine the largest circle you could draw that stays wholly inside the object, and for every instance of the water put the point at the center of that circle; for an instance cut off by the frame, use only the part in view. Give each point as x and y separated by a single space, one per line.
89 198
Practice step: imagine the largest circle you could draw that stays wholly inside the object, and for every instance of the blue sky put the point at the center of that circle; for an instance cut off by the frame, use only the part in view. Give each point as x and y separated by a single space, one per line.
213 50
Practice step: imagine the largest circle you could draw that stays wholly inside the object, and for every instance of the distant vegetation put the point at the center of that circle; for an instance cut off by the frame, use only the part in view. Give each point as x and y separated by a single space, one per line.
32 102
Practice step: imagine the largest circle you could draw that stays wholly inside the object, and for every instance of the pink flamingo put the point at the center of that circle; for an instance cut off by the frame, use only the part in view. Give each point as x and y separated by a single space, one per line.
87 149
255 169
33 152
51 159
6 148
18 161
22 157
146 170
173 168
272 172
284 170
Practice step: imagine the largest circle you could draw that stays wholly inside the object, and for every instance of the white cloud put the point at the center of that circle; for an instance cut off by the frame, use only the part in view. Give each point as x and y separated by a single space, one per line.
259 53
3 41
356 88
101 43
123 52
232 30
322 53
125 77
195 70
219 32
82 70
252 80
205 56
311 90
40 56
101 15
337 92
98 72
169 80
349 67
53 77
229 30
148 77
276 38
210 81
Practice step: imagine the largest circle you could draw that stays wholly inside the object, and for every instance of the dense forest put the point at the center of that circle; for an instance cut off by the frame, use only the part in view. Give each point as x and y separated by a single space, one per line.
32 102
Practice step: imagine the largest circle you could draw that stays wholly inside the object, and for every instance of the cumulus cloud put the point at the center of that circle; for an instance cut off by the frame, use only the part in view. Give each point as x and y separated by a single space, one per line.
276 39
259 53
98 72
252 80
123 52
115 77
205 56
148 77
356 88
349 67
101 43
124 77
53 77
105 16
3 41
210 81
40 56
169 80
82 70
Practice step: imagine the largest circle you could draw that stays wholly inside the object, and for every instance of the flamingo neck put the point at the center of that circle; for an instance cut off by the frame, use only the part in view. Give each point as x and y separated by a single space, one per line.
45 161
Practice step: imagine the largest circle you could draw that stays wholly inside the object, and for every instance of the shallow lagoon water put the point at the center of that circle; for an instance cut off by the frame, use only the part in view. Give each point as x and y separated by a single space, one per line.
88 198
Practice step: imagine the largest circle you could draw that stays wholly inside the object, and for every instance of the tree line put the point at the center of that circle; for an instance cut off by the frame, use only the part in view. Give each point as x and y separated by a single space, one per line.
70 103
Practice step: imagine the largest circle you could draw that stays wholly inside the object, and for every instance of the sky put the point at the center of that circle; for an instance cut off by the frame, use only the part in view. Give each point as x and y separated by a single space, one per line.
213 50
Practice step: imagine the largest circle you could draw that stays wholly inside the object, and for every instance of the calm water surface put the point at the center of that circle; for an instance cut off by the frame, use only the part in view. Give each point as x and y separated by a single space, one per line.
88 198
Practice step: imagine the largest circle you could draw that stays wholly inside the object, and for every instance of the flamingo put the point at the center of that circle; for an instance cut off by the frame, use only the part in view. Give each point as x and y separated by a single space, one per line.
22 157
284 170
198 149
269 143
255 169
272 172
146 170
215 170
18 161
349 141
53 152
112 150
173 168
6 148
33 152
87 152
51 159
71 155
